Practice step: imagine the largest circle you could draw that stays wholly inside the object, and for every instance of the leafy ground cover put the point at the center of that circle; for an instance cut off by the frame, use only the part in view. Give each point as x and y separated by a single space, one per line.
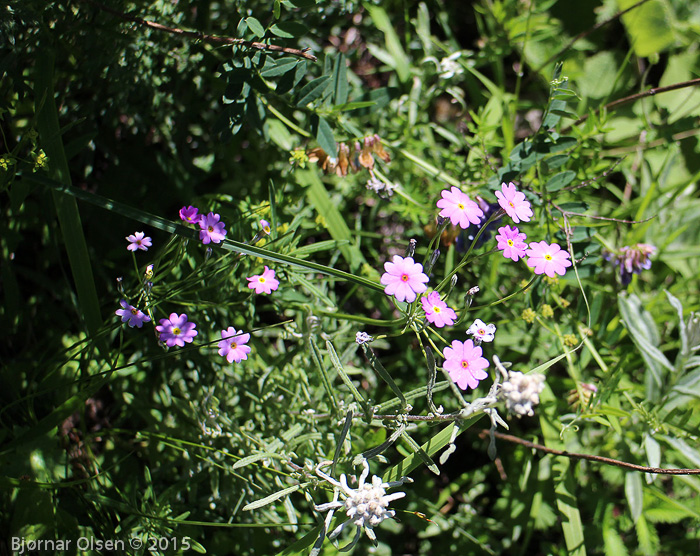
376 277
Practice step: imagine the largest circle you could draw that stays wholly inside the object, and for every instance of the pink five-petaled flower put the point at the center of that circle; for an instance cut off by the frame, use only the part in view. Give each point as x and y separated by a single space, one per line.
263 283
212 230
175 330
547 259
138 241
514 203
436 311
511 242
233 345
404 278
464 363
190 214
131 315
459 208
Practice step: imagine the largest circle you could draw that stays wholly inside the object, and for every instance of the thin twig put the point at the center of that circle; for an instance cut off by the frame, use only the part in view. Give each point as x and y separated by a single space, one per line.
585 33
643 94
600 459
203 36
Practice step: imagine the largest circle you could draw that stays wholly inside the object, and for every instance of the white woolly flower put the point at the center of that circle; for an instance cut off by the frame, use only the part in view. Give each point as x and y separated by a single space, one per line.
482 332
363 338
521 392
365 506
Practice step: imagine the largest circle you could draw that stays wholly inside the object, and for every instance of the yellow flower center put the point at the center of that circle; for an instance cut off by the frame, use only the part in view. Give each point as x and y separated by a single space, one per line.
465 364
548 257
510 243
460 206
404 277
482 332
134 311
177 331
436 309
211 229
261 280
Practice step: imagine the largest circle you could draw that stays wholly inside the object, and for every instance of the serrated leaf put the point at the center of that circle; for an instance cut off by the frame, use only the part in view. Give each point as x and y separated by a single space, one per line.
289 29
311 91
560 180
270 499
255 26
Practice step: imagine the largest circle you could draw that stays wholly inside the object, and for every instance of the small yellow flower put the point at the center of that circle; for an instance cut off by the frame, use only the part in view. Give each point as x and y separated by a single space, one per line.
40 160
570 340
4 163
553 281
298 158
321 221
528 315
547 311
564 302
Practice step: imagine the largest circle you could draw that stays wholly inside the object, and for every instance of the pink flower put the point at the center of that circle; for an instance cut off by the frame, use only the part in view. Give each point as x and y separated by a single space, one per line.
464 363
212 230
547 259
459 208
511 242
482 332
404 278
131 315
175 330
436 311
263 283
233 345
514 203
138 241
265 226
190 214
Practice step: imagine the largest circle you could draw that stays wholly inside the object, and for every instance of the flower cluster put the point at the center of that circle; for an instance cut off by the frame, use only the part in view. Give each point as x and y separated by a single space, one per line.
521 392
362 157
631 260
212 230
365 507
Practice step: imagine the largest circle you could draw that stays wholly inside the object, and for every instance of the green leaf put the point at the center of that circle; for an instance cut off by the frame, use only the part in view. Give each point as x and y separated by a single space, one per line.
648 26
255 26
311 91
340 80
325 379
289 29
400 60
243 462
324 136
273 67
416 449
634 493
335 361
382 372
558 181
66 206
270 499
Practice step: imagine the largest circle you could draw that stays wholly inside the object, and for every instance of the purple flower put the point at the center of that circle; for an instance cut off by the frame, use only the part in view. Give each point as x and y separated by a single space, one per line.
547 259
404 278
464 363
459 208
232 346
436 311
264 283
190 214
514 203
138 241
212 230
175 330
131 315
511 242
265 226
631 260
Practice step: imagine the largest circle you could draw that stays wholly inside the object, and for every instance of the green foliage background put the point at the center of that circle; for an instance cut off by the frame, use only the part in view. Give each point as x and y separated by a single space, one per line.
110 127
